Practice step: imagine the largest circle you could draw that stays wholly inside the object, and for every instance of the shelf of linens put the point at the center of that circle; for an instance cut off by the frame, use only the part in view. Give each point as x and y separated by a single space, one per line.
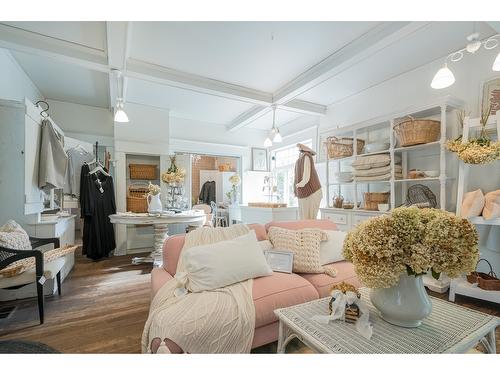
424 179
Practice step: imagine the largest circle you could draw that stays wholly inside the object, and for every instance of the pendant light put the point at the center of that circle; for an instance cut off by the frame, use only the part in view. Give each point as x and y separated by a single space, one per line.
268 142
120 114
496 64
277 136
443 78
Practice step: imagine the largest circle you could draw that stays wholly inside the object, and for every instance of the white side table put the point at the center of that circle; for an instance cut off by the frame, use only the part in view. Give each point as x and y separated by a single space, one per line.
160 224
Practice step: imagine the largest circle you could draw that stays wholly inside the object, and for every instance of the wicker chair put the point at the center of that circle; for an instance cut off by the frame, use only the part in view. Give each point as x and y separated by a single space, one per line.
9 256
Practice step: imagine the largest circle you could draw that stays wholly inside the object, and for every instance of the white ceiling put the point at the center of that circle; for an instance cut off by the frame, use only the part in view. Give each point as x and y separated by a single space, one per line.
242 53
65 82
220 68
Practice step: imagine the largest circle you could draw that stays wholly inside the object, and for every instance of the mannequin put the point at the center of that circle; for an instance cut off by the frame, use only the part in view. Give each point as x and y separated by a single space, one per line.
307 186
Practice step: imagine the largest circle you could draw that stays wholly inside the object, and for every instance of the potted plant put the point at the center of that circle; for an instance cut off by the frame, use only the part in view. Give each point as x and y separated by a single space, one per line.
391 253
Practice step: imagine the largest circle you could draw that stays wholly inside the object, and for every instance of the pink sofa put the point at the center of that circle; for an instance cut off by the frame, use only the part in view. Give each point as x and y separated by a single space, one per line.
270 292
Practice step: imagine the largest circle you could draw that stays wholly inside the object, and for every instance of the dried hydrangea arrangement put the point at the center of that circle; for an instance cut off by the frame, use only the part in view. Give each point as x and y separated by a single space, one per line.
173 174
154 189
411 240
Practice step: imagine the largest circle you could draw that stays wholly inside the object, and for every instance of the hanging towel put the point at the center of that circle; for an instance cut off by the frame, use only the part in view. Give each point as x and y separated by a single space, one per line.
53 160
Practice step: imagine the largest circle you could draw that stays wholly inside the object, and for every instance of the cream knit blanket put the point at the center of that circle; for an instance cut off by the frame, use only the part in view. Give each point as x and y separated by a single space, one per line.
216 321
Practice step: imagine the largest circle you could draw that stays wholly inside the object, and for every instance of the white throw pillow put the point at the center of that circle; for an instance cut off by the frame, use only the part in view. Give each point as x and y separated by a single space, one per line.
13 236
330 251
224 263
266 245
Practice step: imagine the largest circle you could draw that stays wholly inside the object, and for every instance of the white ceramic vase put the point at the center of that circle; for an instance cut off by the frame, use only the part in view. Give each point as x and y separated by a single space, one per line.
405 304
154 204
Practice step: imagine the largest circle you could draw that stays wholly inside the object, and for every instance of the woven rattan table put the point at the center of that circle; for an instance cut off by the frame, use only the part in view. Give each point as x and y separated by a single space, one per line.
449 329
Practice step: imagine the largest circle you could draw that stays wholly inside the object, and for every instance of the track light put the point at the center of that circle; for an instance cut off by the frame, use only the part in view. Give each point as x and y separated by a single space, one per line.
443 78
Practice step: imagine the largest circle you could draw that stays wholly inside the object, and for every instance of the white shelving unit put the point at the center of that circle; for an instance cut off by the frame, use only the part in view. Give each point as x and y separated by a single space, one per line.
380 129
460 285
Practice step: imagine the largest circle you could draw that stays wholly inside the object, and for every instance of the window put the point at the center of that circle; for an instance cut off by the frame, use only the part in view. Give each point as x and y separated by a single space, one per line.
283 163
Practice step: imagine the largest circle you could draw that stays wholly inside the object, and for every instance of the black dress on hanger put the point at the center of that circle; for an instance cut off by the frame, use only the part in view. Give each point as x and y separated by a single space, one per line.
97 202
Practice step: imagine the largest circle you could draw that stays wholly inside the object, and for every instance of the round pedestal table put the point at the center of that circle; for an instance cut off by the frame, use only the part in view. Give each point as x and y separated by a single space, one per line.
160 224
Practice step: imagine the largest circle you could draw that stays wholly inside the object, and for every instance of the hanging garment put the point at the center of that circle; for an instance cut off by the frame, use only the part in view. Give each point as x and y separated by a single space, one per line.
77 156
97 202
53 159
207 193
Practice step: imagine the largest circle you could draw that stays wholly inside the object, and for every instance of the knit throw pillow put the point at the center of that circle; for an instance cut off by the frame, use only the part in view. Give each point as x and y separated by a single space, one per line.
13 236
305 245
492 205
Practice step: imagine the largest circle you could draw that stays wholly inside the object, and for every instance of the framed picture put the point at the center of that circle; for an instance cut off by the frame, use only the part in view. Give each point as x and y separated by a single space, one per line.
279 260
259 159
491 95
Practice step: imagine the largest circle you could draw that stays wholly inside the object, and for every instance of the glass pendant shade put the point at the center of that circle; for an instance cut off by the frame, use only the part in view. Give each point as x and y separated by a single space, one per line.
443 78
277 137
120 115
268 142
496 64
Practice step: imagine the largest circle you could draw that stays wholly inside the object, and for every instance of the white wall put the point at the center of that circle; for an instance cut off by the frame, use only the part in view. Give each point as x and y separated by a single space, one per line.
14 82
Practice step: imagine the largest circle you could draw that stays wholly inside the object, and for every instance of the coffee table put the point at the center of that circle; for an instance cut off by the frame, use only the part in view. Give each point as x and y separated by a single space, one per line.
449 329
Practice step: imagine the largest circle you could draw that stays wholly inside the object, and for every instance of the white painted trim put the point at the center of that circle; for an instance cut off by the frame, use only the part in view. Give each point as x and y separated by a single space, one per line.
141 148
248 117
220 149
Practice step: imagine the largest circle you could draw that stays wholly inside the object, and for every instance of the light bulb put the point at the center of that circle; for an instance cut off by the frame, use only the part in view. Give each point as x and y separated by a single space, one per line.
277 137
496 64
120 115
268 142
443 78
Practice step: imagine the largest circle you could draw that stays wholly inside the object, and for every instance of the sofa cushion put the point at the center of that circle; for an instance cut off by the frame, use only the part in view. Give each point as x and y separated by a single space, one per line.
301 224
322 282
277 291
159 276
173 245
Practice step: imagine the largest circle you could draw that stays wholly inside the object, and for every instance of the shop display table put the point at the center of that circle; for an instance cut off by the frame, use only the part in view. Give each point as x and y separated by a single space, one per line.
449 329
160 224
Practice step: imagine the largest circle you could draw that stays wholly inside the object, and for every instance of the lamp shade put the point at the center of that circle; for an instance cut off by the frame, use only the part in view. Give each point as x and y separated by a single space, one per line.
443 78
268 142
121 116
277 137
496 64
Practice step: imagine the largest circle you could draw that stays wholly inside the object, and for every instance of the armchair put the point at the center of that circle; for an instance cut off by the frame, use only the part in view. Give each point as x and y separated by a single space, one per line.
9 256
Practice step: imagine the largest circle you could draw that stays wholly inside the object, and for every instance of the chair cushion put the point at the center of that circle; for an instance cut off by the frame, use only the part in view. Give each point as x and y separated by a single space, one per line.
50 270
13 236
322 282
159 276
277 291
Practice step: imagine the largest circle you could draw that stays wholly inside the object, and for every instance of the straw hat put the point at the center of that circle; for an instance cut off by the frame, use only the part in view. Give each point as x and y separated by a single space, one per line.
304 148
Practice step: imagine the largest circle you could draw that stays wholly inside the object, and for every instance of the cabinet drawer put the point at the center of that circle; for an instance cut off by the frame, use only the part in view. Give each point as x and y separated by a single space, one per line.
336 218
360 218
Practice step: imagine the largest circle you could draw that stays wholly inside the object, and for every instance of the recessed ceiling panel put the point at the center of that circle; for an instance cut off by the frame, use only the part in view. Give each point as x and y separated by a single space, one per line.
185 103
89 34
260 55
428 44
65 82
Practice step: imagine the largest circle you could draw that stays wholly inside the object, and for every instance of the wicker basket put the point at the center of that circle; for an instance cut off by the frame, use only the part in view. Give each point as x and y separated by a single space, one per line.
143 171
486 281
372 200
342 147
136 198
414 132
420 196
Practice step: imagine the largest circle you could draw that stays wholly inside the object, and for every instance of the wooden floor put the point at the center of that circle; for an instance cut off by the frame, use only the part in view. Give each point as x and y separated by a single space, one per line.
103 308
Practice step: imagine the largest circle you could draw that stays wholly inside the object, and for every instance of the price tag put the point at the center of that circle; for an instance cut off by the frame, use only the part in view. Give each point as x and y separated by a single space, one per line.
42 280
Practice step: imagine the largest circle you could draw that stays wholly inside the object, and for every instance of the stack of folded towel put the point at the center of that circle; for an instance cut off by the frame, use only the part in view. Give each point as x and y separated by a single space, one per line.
376 168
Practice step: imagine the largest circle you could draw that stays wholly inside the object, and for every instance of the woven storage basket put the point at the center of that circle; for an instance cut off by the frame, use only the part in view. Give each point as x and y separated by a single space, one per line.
486 281
421 196
342 147
143 171
414 132
136 198
372 200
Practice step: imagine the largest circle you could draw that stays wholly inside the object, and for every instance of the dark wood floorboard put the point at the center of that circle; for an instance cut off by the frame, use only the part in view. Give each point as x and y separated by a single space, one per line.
103 308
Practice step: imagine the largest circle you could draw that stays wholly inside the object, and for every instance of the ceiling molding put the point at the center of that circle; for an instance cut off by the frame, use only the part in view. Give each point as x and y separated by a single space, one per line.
171 77
306 108
372 41
248 117
20 40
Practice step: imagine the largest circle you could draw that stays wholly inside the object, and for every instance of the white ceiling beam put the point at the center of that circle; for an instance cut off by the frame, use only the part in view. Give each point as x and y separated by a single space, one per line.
16 39
248 117
373 41
118 47
301 106
171 77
